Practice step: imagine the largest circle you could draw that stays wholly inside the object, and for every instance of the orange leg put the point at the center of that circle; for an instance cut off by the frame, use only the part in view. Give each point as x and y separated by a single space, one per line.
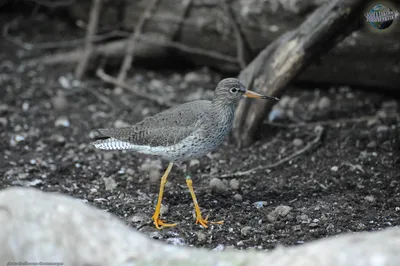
199 218
156 216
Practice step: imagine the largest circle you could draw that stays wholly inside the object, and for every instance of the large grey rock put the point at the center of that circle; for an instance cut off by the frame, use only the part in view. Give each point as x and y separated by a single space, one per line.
49 227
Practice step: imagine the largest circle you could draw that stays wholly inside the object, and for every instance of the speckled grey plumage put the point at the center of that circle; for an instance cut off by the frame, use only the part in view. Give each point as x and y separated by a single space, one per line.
181 133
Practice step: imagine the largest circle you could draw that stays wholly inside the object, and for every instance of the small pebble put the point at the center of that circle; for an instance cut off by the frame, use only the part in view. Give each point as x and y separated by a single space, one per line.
217 185
296 227
193 77
119 123
369 198
276 114
280 211
201 237
245 230
64 82
156 84
118 91
330 228
371 144
176 241
137 218
59 102
155 235
121 171
260 204
238 197
23 175
164 209
304 218
34 182
313 225
154 176
109 183
62 121
234 184
324 103
297 142
334 168
58 138
150 165
3 121
372 121
194 164
19 138
107 156
3 108
145 111
284 101
25 106
130 171
219 247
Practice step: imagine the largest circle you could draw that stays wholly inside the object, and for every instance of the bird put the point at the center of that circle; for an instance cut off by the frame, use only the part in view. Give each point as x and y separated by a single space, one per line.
179 134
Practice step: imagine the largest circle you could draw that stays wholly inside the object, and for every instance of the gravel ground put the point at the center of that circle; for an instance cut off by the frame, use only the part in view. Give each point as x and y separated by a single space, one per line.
348 181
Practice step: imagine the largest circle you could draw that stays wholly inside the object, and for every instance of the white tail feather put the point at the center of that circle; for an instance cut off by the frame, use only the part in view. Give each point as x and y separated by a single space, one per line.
112 144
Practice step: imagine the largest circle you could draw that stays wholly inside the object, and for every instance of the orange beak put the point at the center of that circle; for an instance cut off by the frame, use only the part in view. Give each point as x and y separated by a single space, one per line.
255 95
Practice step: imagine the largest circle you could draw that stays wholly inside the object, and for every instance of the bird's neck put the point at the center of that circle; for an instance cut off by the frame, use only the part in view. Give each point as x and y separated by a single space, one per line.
223 112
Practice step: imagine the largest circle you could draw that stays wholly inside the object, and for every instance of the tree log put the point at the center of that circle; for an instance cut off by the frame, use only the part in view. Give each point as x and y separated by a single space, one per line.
275 67
365 58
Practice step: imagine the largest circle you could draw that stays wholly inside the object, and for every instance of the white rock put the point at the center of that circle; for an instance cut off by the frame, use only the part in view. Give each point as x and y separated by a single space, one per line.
62 121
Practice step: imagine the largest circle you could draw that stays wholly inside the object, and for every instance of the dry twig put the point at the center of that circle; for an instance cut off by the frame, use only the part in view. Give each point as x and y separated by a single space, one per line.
243 53
318 129
128 59
89 39
325 122
112 80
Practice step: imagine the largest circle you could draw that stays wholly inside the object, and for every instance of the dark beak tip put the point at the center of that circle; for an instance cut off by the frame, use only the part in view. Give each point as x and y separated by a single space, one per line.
270 98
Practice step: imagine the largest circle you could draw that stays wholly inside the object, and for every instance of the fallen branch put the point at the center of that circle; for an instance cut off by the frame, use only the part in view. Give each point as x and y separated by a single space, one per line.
128 59
115 48
109 79
89 39
279 63
319 131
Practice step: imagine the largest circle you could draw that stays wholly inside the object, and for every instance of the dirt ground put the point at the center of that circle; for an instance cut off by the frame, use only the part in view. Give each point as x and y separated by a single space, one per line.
347 182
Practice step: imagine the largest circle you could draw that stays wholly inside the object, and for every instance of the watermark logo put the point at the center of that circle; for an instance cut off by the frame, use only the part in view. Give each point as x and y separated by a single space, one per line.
381 17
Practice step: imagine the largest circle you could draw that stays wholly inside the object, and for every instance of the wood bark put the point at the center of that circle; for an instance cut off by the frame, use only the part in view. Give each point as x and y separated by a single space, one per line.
365 58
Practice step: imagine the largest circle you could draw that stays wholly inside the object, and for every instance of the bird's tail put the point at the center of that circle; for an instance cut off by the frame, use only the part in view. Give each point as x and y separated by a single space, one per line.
112 144
104 142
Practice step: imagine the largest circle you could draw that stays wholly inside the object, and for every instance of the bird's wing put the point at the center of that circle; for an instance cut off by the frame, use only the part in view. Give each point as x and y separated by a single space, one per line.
163 129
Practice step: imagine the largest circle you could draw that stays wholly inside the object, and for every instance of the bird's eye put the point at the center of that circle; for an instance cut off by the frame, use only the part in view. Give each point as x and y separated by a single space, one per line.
234 90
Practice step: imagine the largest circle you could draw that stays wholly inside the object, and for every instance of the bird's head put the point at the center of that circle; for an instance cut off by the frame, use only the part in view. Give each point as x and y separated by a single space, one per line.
231 91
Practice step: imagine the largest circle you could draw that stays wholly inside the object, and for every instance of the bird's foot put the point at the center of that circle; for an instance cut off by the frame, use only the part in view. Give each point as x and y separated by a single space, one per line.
205 222
160 223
